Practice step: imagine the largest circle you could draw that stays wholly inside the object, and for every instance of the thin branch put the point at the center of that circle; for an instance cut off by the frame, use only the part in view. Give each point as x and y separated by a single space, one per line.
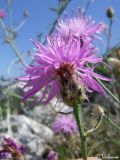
20 25
60 11
109 35
18 54
108 91
111 122
97 126
11 42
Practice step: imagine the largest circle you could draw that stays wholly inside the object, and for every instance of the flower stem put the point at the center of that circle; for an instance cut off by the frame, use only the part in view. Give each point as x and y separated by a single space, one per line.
78 117
108 91
18 54
111 122
96 127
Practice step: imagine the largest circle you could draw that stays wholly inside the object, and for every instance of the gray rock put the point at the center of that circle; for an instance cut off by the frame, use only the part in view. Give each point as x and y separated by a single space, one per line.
46 114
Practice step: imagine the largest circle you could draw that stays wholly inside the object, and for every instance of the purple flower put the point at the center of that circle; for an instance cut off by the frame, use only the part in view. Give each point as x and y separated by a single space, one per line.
4 155
11 149
80 27
52 155
61 68
2 13
10 143
65 124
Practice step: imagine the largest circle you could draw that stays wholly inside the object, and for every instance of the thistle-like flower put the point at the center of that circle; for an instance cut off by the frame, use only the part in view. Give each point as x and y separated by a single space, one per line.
52 155
11 149
65 124
4 155
64 70
81 27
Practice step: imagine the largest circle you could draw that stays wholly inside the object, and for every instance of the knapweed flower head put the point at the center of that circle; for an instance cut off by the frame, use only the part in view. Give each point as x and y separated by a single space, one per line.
52 155
4 155
65 124
11 144
11 149
80 26
64 70
2 13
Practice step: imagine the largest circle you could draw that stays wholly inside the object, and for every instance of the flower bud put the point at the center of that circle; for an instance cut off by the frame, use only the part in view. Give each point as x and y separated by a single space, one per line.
110 12
72 92
100 110
26 13
2 13
52 155
114 62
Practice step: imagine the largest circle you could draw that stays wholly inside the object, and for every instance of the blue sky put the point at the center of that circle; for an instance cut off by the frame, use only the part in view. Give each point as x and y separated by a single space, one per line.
40 20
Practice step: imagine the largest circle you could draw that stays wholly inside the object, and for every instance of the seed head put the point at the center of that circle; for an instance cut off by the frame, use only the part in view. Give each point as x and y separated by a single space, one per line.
26 13
110 12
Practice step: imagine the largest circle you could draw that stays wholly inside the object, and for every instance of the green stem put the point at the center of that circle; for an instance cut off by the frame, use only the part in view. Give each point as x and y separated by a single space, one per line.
96 127
111 122
109 35
78 117
8 117
3 27
11 42
1 113
108 91
18 54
